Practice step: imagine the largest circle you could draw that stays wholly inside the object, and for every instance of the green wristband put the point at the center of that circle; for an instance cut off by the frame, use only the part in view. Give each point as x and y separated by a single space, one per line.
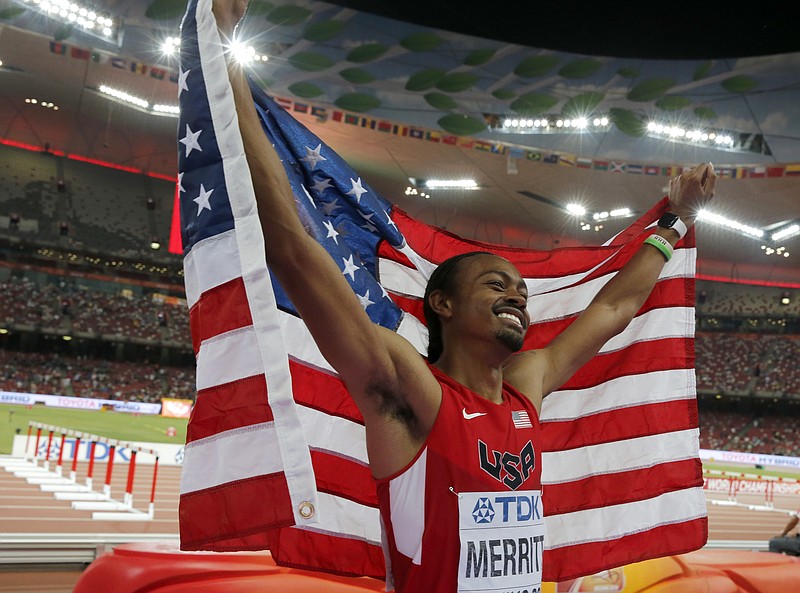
661 244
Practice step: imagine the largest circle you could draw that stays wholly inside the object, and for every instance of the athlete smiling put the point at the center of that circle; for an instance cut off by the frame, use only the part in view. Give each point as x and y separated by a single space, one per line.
453 441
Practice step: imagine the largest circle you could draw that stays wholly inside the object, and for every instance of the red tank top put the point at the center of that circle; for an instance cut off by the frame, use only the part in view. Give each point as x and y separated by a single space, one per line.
466 513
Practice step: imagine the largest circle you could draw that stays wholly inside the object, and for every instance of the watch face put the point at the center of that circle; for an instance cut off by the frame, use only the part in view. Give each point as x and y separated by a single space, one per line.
668 220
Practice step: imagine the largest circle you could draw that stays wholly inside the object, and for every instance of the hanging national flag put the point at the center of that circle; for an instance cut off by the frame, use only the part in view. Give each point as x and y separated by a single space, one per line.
275 455
758 172
600 165
634 169
319 111
792 170
384 126
776 171
616 167
651 170
174 77
79 54
138 68
301 107
415 133
158 73
551 159
351 119
119 63
583 163
58 48
567 160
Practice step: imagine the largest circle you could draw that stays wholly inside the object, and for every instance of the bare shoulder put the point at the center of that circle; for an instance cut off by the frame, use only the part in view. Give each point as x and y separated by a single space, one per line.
525 372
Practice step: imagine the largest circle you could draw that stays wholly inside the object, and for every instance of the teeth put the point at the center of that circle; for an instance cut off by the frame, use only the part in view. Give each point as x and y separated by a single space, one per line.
513 318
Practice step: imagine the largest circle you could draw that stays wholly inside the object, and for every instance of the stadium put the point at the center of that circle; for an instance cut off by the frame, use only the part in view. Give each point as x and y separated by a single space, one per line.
557 137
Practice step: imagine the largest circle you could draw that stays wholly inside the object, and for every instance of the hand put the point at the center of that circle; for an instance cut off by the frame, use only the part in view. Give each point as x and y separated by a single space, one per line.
690 191
228 13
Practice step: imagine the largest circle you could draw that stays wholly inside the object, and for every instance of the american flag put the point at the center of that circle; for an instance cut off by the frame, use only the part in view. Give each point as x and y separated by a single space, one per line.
521 419
275 456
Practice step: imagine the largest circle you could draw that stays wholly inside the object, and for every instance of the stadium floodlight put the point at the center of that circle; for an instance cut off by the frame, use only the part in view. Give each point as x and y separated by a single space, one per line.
451 184
576 209
86 17
546 124
720 220
788 231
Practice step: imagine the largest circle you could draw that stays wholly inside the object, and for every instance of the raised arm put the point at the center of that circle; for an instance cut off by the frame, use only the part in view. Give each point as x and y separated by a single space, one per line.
375 363
614 307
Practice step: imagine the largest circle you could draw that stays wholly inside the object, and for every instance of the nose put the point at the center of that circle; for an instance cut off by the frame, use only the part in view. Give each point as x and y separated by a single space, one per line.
518 299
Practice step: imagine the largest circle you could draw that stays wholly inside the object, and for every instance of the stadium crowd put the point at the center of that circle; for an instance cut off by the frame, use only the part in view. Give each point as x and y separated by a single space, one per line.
65 306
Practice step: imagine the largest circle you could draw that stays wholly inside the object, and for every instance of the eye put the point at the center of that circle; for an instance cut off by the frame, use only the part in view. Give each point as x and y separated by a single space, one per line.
496 283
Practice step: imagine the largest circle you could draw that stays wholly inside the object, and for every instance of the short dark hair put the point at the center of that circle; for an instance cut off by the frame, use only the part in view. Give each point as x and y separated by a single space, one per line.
443 278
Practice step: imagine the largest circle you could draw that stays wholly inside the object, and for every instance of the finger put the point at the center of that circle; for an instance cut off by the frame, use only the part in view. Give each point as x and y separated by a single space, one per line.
711 184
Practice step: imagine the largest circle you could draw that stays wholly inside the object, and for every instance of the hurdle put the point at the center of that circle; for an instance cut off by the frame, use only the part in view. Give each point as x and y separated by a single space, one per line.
82 496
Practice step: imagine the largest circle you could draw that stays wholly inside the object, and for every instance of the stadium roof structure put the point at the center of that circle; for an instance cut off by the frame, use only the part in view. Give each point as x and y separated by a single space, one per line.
408 92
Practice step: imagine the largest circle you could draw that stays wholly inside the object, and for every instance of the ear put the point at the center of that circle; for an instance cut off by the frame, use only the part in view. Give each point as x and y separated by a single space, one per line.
440 303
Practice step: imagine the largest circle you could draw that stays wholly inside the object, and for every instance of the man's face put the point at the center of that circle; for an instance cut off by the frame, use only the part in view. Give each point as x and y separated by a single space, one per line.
492 297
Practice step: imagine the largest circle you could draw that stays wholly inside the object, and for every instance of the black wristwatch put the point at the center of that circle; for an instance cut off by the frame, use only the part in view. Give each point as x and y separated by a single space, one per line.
673 221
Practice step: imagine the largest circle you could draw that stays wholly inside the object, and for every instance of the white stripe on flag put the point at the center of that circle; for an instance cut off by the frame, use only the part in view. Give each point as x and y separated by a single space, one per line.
622 392
340 516
211 262
324 430
229 456
665 322
302 347
615 521
619 456
228 357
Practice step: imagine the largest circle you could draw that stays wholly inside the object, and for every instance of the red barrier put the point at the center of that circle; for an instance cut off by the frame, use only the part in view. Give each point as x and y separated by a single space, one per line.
161 568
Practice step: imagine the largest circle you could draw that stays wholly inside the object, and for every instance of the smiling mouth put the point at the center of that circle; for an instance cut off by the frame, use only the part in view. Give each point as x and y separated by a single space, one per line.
510 316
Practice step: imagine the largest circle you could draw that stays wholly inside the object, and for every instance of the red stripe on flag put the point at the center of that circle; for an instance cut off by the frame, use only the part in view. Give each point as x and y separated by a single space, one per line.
436 245
410 305
622 487
636 359
219 310
322 391
581 559
619 424
334 554
232 405
343 477
220 519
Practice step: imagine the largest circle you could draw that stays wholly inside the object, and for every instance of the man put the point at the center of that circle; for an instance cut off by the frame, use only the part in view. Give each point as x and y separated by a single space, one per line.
446 435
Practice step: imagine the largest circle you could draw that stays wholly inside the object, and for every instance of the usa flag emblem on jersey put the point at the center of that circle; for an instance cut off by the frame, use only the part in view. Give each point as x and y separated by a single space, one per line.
521 419
276 457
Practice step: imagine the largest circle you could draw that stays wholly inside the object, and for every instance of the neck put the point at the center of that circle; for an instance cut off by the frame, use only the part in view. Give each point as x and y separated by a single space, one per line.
474 373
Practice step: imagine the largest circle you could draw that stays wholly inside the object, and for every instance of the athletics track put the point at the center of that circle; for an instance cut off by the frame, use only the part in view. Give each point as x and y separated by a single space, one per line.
28 513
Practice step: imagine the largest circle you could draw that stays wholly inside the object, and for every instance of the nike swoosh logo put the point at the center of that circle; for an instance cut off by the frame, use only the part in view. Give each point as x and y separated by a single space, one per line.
473 415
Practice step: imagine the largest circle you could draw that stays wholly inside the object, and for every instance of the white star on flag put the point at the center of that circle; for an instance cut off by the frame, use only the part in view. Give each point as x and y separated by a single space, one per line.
182 76
357 190
202 200
313 156
190 140
350 268
369 226
320 185
389 219
364 300
180 183
332 234
331 207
